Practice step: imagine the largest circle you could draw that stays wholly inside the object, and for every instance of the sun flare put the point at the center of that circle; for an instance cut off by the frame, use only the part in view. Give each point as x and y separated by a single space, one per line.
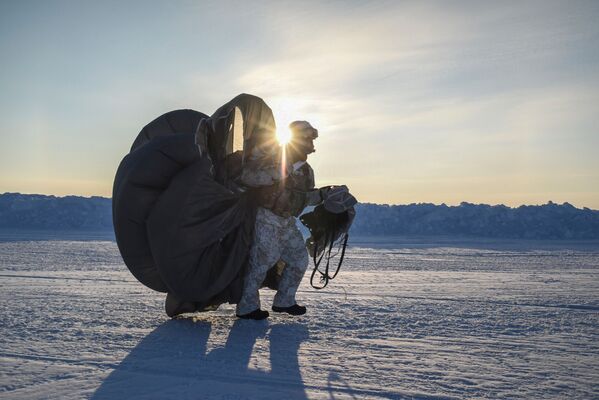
283 135
285 111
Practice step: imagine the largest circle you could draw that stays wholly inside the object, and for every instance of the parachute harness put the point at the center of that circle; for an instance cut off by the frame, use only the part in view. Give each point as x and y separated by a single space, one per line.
340 246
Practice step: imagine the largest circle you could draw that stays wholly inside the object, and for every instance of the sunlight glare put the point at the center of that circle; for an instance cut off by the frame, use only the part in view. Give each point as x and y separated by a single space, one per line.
283 135
285 111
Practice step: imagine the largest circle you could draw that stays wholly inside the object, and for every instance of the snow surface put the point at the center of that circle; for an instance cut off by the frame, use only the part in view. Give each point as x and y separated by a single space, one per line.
405 320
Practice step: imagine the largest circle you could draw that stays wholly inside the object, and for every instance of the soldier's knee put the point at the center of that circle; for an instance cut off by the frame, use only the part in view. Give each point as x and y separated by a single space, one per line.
304 259
298 260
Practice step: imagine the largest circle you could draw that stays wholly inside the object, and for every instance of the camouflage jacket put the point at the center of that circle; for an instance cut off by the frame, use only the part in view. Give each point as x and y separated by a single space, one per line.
284 195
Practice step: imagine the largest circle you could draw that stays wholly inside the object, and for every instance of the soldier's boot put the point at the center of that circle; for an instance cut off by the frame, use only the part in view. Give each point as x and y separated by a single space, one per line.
292 310
256 314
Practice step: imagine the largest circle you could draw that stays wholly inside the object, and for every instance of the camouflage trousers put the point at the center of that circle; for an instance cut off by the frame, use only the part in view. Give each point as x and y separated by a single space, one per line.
275 238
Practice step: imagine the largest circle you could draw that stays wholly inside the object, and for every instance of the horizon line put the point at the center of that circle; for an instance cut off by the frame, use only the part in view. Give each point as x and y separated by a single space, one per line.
549 202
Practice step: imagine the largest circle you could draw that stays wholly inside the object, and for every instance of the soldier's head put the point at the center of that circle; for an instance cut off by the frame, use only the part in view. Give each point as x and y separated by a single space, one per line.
302 140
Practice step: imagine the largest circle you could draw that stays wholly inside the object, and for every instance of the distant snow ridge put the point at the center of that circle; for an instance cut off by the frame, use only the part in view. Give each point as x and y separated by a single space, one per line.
34 211
549 221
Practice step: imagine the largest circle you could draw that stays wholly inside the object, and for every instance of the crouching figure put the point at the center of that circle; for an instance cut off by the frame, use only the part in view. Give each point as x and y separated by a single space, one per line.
284 182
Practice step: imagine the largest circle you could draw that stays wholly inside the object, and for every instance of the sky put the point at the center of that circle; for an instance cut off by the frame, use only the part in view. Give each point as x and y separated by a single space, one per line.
437 102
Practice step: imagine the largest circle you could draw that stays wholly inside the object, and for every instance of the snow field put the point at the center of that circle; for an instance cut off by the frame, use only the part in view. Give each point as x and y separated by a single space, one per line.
405 321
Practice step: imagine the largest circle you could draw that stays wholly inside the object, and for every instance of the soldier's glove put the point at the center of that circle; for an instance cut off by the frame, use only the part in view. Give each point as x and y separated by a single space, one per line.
323 192
338 199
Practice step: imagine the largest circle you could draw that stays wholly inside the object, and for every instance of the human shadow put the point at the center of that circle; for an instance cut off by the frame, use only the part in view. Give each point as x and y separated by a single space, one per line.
172 362
335 382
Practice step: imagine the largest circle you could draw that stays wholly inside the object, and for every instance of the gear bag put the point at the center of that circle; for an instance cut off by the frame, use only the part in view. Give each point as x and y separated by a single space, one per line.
328 239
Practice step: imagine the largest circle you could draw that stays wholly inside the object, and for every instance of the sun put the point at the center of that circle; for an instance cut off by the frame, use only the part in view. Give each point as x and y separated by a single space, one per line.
283 135
285 110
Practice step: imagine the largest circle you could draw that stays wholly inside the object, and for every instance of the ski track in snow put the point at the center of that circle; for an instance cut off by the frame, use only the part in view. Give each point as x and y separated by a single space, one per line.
398 322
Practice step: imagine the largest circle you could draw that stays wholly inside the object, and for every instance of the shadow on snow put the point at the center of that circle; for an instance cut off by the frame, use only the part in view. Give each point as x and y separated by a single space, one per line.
172 362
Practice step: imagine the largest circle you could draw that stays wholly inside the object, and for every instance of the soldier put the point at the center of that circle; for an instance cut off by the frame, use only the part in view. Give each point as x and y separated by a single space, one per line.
286 187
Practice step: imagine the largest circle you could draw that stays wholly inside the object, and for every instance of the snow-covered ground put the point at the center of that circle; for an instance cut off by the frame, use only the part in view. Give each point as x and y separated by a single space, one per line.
408 319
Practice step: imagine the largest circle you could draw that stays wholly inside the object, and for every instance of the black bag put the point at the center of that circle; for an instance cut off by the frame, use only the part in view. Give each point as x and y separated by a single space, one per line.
329 234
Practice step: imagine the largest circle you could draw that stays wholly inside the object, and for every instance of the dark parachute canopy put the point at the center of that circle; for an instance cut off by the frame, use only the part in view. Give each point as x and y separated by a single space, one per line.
181 223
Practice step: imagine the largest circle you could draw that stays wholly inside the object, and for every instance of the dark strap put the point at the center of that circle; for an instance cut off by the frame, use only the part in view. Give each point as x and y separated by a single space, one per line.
325 277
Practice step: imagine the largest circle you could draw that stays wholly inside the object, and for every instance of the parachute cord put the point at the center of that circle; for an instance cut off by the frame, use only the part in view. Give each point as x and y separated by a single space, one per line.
312 279
317 263
343 247
325 277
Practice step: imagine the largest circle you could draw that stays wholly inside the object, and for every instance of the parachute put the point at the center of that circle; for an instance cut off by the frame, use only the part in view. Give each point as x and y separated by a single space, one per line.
181 223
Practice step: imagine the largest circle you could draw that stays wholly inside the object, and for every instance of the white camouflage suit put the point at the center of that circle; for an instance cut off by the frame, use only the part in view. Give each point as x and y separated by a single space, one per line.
276 238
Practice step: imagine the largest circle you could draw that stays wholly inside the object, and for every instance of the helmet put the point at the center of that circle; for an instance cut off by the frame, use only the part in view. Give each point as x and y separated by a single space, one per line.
302 136
303 129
